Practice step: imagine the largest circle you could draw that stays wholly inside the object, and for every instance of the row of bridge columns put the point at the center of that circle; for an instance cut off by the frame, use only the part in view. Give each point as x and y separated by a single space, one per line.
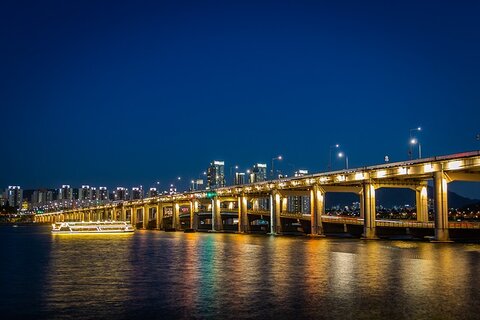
317 209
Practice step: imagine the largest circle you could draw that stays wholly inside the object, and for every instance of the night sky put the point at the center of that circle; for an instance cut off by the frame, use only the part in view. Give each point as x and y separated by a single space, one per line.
133 92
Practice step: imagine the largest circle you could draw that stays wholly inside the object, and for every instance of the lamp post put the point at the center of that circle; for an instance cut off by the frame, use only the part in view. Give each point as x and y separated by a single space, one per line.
415 141
330 156
273 171
410 149
341 155
173 188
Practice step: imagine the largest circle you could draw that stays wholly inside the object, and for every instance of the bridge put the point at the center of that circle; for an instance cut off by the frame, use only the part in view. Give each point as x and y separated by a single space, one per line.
267 206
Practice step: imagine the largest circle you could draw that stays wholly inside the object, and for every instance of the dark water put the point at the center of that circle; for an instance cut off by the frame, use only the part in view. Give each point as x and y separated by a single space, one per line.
174 275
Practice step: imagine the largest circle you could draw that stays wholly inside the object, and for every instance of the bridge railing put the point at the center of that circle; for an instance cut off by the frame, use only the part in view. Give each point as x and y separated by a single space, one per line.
464 225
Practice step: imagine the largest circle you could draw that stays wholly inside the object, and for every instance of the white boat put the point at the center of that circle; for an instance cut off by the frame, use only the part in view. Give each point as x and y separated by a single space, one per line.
92 227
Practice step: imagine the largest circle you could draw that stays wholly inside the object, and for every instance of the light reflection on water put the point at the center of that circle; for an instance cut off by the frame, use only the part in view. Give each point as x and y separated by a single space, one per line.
174 275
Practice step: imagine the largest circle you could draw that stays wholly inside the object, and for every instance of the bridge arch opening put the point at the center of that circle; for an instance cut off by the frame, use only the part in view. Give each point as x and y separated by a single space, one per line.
397 203
464 201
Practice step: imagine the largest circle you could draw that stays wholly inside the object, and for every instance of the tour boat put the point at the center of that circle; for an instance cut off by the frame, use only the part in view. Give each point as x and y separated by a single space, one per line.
92 227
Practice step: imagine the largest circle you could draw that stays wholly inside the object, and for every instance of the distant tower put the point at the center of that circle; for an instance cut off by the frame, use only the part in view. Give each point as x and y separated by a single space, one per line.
65 192
299 204
93 194
216 175
14 196
137 193
258 173
103 194
152 193
239 178
84 193
120 194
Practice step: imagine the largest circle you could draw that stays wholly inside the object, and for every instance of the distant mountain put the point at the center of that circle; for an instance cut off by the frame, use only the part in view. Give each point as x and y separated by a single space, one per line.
395 197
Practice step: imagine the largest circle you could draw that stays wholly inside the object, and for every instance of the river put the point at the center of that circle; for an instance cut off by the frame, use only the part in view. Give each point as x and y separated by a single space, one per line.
171 275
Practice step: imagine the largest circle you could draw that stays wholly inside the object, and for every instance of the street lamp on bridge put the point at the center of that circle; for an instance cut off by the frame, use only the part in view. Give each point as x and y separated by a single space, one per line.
273 168
412 138
330 156
343 155
415 141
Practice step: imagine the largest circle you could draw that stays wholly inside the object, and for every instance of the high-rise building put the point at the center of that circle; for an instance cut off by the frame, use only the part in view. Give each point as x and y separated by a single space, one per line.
102 194
299 204
14 196
120 193
216 175
75 193
84 193
65 192
137 193
239 178
152 192
3 199
39 197
34 200
93 194
258 173
50 196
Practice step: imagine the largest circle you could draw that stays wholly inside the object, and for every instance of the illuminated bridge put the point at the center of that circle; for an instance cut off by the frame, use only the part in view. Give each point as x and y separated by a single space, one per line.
267 206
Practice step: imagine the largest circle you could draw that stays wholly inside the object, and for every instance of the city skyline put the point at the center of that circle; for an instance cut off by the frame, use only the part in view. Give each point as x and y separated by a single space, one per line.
126 94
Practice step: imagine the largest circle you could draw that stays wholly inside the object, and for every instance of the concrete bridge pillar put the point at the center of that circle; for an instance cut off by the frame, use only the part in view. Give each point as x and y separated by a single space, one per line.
441 206
362 206
255 205
123 214
285 204
317 209
421 198
275 209
133 216
145 215
195 214
239 208
367 203
176 216
245 223
192 213
217 217
242 214
159 220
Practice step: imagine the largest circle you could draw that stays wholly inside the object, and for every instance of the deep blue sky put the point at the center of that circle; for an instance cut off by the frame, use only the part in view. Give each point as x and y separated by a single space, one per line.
133 92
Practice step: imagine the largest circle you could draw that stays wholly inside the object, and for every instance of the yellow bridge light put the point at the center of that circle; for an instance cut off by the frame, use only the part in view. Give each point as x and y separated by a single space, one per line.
454 165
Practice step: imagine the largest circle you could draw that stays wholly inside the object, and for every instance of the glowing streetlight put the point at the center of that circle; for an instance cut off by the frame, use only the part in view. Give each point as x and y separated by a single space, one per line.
273 159
410 149
415 141
341 155
330 156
